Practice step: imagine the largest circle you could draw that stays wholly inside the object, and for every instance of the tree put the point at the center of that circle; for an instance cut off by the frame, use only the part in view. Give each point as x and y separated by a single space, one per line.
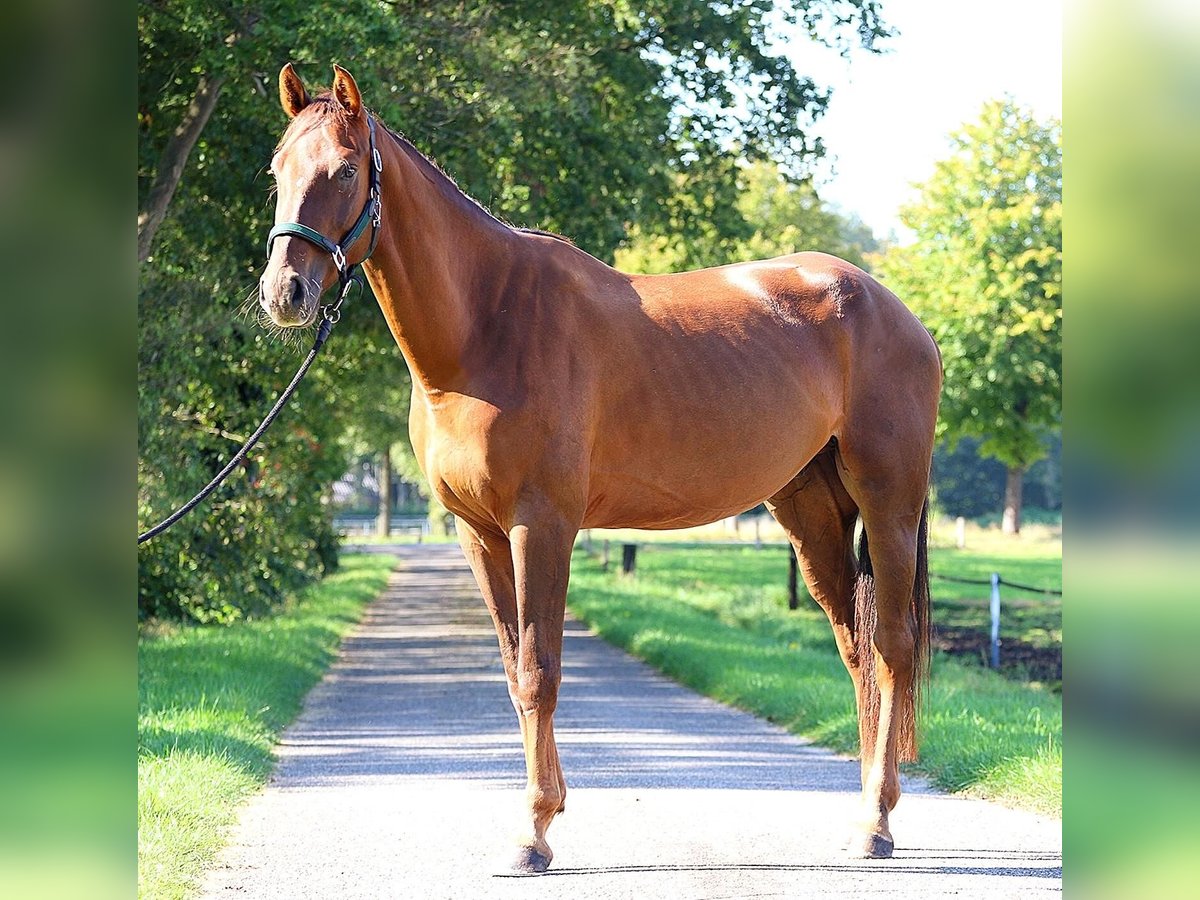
985 275
967 485
765 214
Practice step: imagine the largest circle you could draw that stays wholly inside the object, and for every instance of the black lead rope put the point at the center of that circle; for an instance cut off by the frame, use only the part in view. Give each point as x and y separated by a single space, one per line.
329 318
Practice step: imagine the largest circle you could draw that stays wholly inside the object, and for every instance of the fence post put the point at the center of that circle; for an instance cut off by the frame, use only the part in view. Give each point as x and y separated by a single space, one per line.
628 558
960 532
995 620
604 558
793 596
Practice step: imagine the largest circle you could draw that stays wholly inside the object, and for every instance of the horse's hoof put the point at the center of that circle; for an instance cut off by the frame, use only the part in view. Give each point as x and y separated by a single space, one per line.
530 862
874 846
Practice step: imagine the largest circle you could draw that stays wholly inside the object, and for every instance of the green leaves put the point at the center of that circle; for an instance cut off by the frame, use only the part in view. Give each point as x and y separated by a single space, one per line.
751 211
985 275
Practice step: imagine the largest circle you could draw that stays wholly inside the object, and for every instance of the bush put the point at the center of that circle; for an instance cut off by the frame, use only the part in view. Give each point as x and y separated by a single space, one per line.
205 380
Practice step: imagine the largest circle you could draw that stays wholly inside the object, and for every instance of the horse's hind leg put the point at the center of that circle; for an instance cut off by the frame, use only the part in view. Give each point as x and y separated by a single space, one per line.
888 479
819 516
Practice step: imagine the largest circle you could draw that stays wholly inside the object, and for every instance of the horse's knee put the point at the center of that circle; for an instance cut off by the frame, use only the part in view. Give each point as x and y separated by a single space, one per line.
537 690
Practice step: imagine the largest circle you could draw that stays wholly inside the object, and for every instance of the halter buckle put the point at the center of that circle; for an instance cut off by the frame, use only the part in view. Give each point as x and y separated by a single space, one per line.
339 259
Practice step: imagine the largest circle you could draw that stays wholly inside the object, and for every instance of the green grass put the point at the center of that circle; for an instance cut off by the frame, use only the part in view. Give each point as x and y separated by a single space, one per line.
211 703
716 620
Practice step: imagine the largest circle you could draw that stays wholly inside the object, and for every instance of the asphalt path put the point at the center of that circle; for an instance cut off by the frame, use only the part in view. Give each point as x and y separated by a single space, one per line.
404 777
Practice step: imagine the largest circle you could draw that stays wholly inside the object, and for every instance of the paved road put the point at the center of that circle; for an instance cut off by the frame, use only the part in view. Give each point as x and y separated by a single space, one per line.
403 777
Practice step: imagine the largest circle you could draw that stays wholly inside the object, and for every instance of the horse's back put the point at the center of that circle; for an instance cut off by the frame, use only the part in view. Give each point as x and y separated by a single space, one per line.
720 384
811 310
805 289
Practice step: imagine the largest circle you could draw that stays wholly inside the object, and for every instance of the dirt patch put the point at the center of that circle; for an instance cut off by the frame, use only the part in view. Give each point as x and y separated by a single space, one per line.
1019 661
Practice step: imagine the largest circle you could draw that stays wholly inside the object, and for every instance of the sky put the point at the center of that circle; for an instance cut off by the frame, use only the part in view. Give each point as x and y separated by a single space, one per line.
890 115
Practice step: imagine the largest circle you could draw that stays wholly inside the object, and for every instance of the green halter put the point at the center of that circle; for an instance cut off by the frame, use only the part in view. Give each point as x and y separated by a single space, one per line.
372 213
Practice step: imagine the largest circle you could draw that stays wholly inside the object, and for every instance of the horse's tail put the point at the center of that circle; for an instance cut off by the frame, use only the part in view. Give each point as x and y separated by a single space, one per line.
865 618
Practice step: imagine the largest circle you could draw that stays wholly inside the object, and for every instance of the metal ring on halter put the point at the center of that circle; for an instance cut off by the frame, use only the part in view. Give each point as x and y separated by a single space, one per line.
333 311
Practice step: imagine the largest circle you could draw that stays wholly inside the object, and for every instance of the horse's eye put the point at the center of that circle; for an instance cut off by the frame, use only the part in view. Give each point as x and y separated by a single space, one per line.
348 171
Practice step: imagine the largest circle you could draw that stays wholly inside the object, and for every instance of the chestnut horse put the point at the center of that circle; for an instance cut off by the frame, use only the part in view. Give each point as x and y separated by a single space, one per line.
552 392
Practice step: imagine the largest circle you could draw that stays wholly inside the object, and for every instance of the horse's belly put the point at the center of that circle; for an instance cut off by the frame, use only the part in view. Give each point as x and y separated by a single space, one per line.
678 484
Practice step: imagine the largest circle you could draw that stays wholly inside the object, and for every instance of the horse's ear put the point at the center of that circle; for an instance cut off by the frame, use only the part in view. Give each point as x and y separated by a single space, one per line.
345 91
292 95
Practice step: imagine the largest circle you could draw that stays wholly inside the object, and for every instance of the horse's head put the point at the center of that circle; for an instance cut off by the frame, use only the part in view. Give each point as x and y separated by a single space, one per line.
324 169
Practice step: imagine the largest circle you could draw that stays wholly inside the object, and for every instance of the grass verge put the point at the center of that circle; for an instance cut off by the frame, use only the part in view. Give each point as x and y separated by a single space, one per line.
211 702
717 621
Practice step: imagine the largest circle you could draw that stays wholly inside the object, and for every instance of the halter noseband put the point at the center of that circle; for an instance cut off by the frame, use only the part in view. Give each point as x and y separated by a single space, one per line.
372 213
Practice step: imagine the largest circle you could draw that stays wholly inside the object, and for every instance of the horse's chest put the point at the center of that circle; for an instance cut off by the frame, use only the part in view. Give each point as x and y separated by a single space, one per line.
468 453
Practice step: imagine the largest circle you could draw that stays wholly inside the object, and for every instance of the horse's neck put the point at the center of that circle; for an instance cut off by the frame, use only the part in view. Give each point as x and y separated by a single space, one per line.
428 270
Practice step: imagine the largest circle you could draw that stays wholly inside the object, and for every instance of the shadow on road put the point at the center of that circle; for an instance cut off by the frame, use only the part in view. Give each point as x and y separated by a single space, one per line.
895 865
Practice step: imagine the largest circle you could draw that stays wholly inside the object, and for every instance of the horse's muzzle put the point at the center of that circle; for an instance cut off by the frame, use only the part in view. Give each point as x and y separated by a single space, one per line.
288 298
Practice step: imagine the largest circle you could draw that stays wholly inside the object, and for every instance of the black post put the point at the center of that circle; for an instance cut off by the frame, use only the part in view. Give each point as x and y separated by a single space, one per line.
628 558
793 571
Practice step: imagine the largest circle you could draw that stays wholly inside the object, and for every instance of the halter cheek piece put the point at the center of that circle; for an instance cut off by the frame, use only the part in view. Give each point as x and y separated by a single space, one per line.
372 214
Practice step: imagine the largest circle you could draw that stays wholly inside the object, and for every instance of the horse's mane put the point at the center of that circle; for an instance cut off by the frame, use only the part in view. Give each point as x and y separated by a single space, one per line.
549 234
326 109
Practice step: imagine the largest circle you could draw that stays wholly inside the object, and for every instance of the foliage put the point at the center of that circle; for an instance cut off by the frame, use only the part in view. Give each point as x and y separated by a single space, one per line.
767 214
205 378
579 117
211 703
716 620
788 217
985 275
970 485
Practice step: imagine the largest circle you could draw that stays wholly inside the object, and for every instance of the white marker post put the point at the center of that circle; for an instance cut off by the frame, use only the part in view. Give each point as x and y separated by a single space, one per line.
995 620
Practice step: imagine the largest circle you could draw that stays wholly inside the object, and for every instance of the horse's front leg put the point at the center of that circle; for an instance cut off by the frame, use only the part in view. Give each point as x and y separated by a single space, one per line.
541 552
490 555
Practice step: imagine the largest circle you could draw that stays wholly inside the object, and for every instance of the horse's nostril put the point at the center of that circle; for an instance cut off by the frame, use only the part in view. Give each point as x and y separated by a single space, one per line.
297 297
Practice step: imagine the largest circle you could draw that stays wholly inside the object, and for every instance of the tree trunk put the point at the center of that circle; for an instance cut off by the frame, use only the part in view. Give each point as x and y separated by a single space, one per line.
173 160
383 521
439 518
1012 502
